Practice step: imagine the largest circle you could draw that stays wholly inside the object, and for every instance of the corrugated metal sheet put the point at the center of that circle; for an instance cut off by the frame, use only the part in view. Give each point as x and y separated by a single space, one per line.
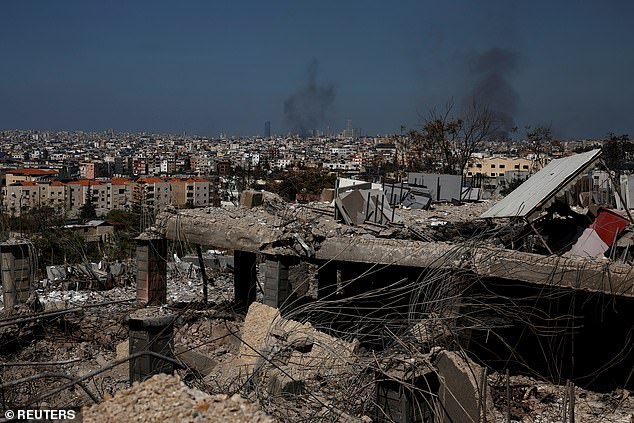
542 187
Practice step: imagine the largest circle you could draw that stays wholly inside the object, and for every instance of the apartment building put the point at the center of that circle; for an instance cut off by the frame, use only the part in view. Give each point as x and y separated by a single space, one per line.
79 191
22 196
121 191
190 192
497 166
30 175
153 192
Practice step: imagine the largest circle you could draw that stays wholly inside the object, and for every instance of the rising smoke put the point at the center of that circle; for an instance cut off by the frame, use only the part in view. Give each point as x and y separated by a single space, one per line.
491 71
306 109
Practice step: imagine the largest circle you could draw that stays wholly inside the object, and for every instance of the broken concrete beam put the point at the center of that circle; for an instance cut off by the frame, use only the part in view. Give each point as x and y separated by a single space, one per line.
308 353
222 231
388 251
460 394
594 275
251 198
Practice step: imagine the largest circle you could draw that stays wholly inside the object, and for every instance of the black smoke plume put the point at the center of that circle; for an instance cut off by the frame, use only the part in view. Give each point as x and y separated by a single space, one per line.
306 109
492 71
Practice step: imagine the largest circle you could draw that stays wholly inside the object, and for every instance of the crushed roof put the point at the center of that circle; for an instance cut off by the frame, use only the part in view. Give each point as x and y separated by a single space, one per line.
540 190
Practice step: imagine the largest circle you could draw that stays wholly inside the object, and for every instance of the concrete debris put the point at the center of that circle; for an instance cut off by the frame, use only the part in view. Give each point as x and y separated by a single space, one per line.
165 398
464 391
308 352
541 190
381 315
250 199
442 187
532 400
56 273
363 205
212 259
201 363
327 195
102 275
432 330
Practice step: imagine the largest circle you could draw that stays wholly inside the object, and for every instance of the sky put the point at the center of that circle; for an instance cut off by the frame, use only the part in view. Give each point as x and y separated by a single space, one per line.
207 67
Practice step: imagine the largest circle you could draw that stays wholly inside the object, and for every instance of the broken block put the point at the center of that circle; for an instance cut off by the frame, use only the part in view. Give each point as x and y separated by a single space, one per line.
251 198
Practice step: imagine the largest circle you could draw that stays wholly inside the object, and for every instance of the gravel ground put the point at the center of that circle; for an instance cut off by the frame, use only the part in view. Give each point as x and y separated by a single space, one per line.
164 398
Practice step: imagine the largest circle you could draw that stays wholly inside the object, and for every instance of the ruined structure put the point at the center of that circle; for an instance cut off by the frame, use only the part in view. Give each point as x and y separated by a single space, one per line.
416 316
506 309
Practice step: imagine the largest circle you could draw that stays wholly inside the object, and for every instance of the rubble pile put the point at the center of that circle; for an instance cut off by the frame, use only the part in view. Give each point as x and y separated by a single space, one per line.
185 285
533 400
71 344
294 367
165 398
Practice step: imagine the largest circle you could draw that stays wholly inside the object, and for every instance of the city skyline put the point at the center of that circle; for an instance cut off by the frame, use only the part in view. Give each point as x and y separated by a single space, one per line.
206 69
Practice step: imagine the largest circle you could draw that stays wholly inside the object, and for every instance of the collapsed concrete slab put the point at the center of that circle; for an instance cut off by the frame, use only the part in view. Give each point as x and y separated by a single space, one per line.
464 394
301 351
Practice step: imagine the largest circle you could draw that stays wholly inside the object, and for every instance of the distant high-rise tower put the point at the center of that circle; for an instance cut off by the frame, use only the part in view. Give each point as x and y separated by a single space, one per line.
349 131
267 129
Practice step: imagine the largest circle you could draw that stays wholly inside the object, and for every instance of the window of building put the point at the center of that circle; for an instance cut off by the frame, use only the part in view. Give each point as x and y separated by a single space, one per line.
525 167
493 174
517 166
492 165
502 166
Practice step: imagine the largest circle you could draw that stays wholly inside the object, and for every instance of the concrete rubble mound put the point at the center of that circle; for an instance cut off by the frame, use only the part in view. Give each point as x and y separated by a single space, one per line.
165 398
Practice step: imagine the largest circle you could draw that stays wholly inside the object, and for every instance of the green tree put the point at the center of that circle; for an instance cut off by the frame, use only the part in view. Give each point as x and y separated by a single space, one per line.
88 210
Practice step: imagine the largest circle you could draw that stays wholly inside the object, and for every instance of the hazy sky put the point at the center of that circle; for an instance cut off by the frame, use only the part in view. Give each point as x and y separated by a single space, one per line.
210 66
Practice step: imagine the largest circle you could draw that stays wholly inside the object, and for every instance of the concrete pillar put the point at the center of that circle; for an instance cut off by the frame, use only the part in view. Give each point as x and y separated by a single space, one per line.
17 273
150 330
244 278
326 280
276 286
151 277
406 400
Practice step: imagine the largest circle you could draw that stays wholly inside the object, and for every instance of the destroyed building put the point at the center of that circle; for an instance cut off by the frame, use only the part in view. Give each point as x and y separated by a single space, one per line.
357 309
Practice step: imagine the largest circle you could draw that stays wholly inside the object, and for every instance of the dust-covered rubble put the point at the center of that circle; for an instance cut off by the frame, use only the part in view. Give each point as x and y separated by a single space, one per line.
164 398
